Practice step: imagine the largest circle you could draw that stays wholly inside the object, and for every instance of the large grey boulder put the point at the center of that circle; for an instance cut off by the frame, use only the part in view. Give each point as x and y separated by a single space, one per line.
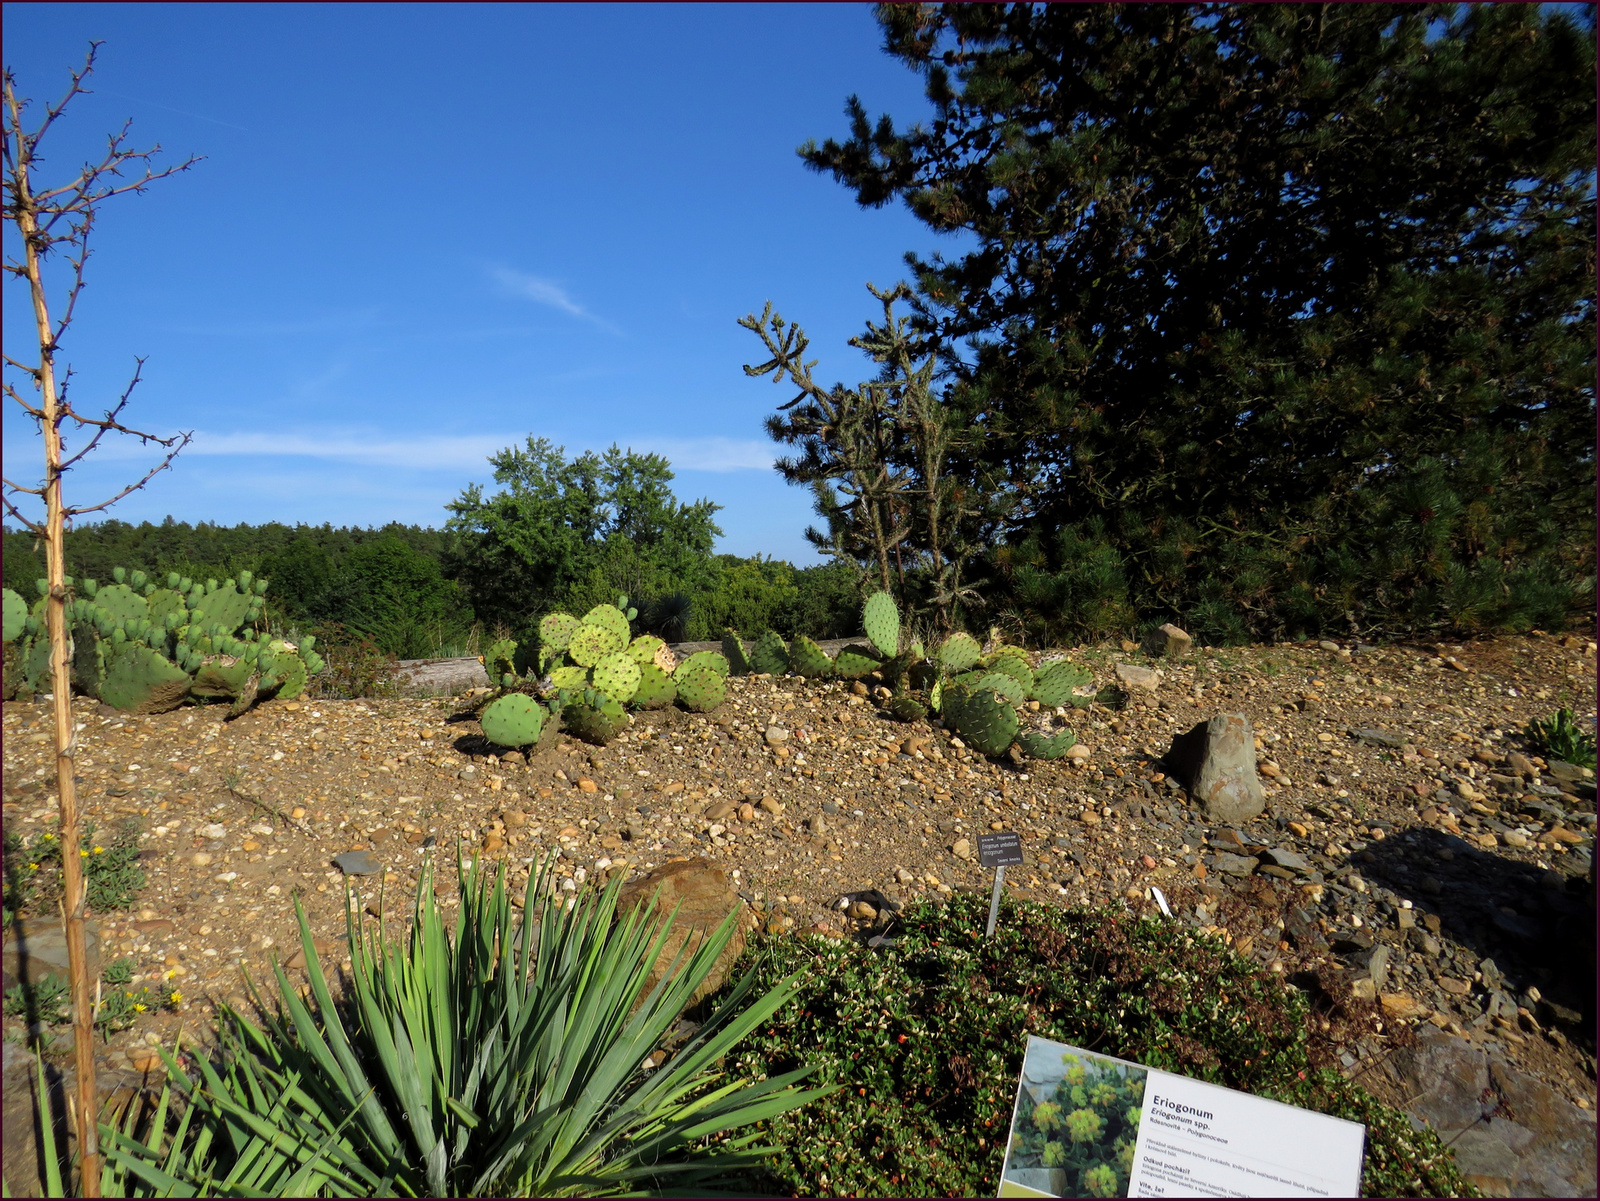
1216 762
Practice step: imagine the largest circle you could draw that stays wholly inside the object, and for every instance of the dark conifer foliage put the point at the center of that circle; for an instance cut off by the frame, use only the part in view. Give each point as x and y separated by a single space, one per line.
1289 306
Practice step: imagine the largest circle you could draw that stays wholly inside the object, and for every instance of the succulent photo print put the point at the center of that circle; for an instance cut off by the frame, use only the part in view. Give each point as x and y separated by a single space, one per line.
1075 1125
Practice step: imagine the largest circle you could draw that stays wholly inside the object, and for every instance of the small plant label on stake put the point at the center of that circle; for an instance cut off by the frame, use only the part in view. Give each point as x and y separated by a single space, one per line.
998 851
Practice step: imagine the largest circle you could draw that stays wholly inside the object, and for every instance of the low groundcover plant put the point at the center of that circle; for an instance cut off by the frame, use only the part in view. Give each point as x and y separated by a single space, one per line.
506 1060
927 1038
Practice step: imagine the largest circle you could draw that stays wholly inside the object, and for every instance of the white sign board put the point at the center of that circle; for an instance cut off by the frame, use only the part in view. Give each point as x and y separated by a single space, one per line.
1087 1125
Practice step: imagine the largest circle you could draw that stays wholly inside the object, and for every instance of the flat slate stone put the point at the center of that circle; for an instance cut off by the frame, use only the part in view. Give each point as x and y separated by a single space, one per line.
1283 857
1234 865
1379 738
357 863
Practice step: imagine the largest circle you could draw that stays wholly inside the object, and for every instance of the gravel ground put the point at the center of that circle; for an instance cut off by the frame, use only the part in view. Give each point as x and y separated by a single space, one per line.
1410 838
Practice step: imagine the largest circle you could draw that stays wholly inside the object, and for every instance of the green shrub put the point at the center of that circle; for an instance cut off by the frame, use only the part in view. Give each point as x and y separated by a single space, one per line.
112 876
1559 737
488 1063
927 1037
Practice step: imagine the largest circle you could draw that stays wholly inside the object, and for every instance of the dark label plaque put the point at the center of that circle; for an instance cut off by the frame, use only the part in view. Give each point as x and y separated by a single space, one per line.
1000 850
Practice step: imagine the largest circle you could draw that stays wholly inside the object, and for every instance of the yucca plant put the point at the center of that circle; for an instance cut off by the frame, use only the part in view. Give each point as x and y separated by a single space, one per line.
506 1060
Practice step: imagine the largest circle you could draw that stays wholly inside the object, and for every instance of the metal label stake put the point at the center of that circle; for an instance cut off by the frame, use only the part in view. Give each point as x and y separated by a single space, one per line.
998 851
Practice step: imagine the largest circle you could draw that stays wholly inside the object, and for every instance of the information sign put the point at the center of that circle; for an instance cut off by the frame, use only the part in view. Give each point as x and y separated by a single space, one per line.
1087 1125
1000 850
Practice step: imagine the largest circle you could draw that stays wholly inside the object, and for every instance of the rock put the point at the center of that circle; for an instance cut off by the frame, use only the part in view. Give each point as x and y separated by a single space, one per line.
214 830
862 912
772 806
1283 857
1234 865
1168 641
37 947
1399 1006
747 812
1217 762
721 811
201 859
585 784
776 735
1140 679
357 863
1379 738
514 818
1567 773
816 825
962 849
704 898
1521 764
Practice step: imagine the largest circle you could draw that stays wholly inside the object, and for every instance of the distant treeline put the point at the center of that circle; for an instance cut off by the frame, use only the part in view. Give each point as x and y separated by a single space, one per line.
409 590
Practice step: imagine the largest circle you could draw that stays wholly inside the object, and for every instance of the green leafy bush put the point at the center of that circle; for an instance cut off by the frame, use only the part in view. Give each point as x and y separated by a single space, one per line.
506 1060
1559 737
927 1037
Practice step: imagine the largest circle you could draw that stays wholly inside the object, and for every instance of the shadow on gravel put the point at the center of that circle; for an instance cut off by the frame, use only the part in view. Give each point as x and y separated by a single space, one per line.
1538 926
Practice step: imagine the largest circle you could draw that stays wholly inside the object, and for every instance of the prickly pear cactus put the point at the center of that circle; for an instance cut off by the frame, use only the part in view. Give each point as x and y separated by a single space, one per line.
733 652
611 618
987 722
709 660
556 631
808 659
1054 683
501 658
1047 746
643 649
905 707
855 661
617 676
121 603
16 615
1003 684
227 607
513 720
656 689
881 620
569 677
591 643
1013 663
958 653
700 682
140 681
594 717
220 678
769 656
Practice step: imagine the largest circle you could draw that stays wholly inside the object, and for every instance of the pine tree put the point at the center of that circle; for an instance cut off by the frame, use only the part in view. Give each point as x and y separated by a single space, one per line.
1298 300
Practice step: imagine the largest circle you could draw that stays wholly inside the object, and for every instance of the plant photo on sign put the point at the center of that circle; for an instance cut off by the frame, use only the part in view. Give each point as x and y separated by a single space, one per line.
1075 1125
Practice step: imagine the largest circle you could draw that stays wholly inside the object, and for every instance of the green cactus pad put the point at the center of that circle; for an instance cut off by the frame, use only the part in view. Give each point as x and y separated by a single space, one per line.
856 660
514 720
569 677
611 618
768 655
700 689
987 722
1004 684
1047 746
733 652
36 663
121 603
959 652
225 606
594 717
592 643
643 649
1054 682
881 620
704 660
617 676
936 697
905 707
556 631
16 615
500 658
1014 664
656 689
218 679
808 659
140 681
893 670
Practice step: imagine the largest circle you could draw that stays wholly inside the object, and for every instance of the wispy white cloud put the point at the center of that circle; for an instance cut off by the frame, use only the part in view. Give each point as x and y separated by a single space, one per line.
454 452
708 454
546 292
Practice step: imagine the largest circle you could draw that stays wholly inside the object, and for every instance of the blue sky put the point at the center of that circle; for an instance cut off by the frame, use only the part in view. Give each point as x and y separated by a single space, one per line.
423 233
